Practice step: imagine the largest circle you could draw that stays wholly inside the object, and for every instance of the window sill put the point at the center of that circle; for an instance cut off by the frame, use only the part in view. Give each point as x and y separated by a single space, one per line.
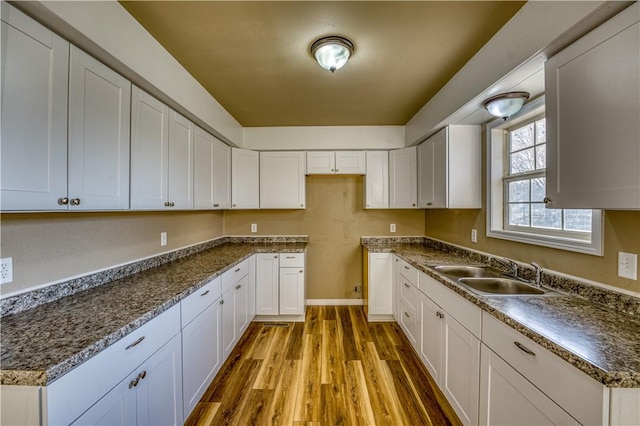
593 247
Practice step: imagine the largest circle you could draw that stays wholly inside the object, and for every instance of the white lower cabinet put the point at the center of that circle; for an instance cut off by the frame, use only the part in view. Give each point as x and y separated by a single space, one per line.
507 398
151 395
228 331
379 285
280 284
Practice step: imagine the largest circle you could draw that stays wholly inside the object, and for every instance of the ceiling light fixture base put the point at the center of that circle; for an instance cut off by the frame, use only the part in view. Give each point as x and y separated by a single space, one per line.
505 105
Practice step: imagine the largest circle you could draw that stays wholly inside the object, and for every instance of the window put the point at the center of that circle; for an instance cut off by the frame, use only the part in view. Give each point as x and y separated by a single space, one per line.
517 189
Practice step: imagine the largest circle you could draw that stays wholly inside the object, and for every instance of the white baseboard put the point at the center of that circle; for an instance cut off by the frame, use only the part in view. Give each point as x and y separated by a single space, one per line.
335 302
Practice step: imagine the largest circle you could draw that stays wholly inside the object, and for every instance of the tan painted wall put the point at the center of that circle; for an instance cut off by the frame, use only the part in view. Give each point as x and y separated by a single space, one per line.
48 247
335 221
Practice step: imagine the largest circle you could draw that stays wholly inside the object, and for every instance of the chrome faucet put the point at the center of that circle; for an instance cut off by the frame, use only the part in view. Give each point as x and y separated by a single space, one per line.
508 263
538 279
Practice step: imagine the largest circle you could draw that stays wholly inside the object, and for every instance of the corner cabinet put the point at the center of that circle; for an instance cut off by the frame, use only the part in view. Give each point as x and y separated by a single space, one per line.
592 109
245 179
449 169
403 178
282 180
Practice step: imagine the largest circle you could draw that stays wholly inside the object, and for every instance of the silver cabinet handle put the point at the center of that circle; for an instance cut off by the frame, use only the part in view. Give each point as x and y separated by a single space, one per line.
237 270
301 205
216 205
63 201
301 271
524 349
333 170
407 315
546 200
238 287
429 203
136 343
406 267
275 257
205 293
167 204
173 204
134 383
440 314
75 201
406 285
222 302
291 257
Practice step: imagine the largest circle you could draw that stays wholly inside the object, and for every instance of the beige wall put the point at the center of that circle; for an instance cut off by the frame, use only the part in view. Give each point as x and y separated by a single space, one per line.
335 221
48 247
621 233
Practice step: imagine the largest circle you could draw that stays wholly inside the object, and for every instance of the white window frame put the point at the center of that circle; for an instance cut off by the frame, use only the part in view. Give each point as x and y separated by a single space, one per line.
495 138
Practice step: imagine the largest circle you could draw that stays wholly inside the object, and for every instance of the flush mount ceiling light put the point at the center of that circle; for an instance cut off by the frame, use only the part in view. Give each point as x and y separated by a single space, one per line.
505 105
332 53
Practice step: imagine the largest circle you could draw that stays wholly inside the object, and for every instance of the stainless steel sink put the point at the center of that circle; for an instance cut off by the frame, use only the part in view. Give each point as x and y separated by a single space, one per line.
496 285
460 271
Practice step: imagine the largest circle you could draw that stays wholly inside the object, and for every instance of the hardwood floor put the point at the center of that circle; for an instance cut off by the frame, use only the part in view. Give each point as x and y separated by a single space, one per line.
334 369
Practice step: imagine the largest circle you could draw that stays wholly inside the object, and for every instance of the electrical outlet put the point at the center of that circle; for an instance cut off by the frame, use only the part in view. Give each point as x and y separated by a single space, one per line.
254 227
628 265
163 239
6 270
474 235
392 227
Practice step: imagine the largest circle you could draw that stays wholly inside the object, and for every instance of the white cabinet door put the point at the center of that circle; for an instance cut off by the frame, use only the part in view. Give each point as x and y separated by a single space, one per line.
99 136
228 331
350 162
507 398
245 179
33 152
592 110
181 134
159 390
221 175
203 164
403 178
460 376
116 408
432 171
201 355
376 194
431 329
267 287
321 162
380 286
241 307
282 180
395 292
252 288
291 291
149 151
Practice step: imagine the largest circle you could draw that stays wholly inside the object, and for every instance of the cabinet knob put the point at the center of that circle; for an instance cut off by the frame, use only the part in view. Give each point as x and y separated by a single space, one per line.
216 205
172 204
222 302
301 205
75 201
406 267
429 203
239 286
439 314
301 271
407 315
142 375
233 205
332 170
237 270
134 383
275 257
63 201
406 285
167 204
414 204
546 200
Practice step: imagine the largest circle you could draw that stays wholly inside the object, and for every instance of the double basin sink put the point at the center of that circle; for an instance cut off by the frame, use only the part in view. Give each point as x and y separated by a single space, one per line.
488 281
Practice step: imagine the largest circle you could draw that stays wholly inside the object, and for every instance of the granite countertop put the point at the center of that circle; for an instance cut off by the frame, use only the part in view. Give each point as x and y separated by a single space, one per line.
43 343
600 340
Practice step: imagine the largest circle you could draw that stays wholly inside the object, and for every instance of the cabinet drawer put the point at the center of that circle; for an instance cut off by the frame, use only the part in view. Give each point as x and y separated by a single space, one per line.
233 275
408 293
292 260
580 395
465 312
199 300
76 391
408 271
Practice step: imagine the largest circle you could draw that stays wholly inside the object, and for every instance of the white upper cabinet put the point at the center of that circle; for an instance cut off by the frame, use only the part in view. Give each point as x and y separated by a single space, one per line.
245 179
335 162
376 194
592 110
403 178
282 181
449 169
99 136
212 172
149 151
35 66
181 136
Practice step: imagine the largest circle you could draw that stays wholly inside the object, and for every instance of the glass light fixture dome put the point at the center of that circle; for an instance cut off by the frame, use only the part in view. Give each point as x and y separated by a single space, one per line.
332 53
505 105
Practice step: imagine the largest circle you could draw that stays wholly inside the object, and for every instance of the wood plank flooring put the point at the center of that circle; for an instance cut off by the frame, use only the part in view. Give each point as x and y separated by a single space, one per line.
334 369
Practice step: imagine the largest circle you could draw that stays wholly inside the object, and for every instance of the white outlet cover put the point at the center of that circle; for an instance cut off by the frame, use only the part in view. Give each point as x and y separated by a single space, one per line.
392 227
628 265
254 227
163 239
6 270
474 235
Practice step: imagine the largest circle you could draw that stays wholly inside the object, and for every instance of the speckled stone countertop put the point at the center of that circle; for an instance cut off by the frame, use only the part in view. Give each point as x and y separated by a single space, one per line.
596 337
44 342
